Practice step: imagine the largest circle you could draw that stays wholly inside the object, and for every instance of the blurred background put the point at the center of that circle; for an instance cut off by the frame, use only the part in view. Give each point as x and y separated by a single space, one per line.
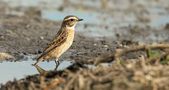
139 20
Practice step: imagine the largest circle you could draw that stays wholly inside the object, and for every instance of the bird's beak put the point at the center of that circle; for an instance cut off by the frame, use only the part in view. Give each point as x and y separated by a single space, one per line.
80 19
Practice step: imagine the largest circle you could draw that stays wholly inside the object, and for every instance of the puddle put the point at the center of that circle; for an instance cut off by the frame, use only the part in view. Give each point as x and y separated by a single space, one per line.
98 24
95 28
21 69
18 70
33 3
24 3
89 17
158 22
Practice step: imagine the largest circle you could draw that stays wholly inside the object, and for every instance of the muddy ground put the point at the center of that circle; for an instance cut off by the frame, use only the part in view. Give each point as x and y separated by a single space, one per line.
30 34
23 32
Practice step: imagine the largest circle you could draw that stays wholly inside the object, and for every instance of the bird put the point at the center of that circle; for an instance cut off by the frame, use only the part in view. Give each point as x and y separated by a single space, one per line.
61 41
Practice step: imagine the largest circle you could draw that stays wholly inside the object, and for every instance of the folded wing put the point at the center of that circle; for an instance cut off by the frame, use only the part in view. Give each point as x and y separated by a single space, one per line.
58 40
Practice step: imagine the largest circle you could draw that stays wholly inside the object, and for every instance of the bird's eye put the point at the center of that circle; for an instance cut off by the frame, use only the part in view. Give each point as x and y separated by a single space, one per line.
71 19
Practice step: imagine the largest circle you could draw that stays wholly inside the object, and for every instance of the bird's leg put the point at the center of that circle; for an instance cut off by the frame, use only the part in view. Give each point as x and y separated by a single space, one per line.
35 63
57 63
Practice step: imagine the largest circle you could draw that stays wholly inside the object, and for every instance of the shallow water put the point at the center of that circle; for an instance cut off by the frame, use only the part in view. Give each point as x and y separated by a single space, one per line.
160 21
20 69
32 3
58 15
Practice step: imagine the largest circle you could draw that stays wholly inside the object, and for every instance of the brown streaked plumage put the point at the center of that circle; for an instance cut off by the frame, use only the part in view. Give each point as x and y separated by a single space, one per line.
62 41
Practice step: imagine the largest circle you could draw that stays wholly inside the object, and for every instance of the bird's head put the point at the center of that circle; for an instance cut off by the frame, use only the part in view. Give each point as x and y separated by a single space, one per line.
71 21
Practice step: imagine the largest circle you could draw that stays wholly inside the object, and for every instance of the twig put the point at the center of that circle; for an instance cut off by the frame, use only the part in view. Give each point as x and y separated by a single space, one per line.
120 52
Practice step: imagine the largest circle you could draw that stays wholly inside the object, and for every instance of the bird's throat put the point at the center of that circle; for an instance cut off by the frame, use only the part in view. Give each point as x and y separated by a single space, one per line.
70 27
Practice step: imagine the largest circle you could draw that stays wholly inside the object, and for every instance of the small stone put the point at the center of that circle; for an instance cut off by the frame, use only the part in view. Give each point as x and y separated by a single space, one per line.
5 56
106 46
41 37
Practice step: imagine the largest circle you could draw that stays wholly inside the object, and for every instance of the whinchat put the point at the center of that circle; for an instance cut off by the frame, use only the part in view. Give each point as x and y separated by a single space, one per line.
62 41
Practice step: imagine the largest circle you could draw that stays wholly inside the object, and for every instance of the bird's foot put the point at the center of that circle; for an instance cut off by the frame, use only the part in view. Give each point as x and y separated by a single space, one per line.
57 64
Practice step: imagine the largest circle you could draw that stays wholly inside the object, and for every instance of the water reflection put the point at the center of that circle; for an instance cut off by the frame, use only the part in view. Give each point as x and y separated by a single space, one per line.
41 70
18 70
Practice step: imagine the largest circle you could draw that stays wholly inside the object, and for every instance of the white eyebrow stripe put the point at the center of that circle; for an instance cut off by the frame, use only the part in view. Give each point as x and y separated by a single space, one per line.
71 18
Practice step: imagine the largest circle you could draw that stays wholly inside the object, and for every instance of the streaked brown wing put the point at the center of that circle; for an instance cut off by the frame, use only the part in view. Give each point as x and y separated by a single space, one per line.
59 39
